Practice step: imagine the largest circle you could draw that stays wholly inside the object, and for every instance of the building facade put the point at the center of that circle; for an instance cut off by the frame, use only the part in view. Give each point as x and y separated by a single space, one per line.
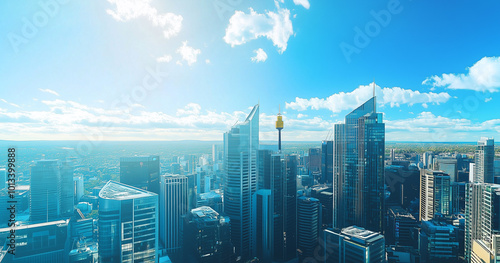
141 172
358 179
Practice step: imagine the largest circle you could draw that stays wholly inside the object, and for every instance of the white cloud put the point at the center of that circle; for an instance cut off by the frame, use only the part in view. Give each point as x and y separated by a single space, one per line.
345 101
276 26
428 127
164 59
488 99
189 54
49 91
484 75
10 103
304 3
126 10
207 61
260 55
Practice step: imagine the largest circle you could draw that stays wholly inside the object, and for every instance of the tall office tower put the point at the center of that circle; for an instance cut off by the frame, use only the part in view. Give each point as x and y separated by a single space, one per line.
40 242
482 220
290 206
326 162
207 237
67 190
427 158
400 225
264 225
449 166
358 179
314 162
241 145
211 199
214 153
264 169
141 172
308 226
78 188
393 155
45 201
353 244
128 224
173 206
484 161
438 242
434 194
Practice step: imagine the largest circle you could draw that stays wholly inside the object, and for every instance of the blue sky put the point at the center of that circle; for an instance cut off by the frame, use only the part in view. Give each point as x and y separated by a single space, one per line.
176 70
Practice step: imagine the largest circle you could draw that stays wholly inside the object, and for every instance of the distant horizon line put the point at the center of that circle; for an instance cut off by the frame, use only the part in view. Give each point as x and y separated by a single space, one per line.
221 141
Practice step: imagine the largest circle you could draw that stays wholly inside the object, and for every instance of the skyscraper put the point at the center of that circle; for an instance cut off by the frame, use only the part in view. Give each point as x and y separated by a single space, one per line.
173 205
141 172
263 225
67 188
241 144
326 162
482 220
484 161
308 226
207 237
435 194
45 201
358 179
128 224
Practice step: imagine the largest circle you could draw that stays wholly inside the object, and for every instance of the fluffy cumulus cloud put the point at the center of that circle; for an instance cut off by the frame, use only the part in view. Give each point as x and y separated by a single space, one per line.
276 26
260 55
483 76
189 54
304 3
348 100
126 10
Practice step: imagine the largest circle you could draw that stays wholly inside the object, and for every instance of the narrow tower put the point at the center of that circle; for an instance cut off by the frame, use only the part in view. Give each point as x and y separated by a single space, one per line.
279 127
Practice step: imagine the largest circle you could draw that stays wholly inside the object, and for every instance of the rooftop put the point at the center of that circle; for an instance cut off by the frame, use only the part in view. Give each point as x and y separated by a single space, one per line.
360 234
120 191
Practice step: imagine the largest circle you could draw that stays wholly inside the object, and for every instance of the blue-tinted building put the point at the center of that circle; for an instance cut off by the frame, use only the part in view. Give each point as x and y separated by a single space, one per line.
141 172
128 224
308 226
241 145
358 179
45 185
353 244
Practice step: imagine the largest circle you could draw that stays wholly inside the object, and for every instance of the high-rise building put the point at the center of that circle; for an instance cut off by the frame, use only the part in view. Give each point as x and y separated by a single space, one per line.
358 179
173 206
45 201
482 220
264 225
67 190
241 145
449 166
353 244
314 161
211 199
438 242
400 225
141 172
435 195
40 242
207 237
308 226
128 224
326 162
215 153
484 161
78 188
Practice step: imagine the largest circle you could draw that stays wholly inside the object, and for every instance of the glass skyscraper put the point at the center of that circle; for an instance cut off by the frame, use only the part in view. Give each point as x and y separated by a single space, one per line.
484 161
45 201
173 205
141 172
128 224
241 145
358 179
435 194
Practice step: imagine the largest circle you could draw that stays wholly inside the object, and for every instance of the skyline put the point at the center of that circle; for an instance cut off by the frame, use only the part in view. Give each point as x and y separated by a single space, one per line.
437 78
